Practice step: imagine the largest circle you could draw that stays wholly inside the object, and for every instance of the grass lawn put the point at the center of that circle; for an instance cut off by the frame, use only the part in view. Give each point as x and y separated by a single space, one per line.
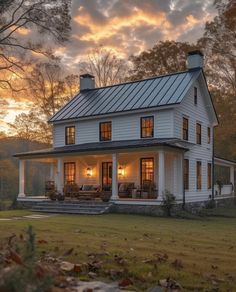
206 247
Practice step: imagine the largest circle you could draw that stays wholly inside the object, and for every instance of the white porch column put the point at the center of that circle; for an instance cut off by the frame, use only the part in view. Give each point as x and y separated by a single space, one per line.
232 174
59 175
161 174
114 176
21 179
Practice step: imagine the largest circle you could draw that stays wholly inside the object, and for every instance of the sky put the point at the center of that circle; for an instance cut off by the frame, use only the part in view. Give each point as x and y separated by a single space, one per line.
125 26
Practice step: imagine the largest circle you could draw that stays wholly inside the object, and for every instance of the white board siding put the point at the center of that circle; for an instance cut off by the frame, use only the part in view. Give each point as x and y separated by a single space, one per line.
125 127
195 113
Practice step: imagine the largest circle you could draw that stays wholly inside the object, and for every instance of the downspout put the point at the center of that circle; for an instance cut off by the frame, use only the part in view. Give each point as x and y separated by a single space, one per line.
213 166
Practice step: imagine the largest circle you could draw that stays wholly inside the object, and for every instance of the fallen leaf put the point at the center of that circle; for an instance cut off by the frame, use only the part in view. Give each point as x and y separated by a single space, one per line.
69 252
125 282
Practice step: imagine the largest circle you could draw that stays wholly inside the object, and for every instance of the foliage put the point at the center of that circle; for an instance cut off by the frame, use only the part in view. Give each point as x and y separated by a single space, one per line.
164 58
168 202
19 19
105 66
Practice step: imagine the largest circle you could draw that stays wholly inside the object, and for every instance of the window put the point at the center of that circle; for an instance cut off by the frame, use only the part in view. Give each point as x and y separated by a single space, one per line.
208 135
70 135
186 174
147 127
198 133
199 175
209 174
69 173
195 95
185 129
147 170
105 131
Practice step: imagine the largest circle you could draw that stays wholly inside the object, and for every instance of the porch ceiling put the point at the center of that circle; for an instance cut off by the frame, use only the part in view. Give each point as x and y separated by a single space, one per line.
100 147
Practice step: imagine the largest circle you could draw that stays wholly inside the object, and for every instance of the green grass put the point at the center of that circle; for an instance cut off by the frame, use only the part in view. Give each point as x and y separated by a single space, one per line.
205 246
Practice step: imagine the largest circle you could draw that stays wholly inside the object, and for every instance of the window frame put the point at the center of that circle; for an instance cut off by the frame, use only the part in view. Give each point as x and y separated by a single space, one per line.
186 174
208 135
101 138
146 128
74 165
198 135
141 169
199 175
185 131
195 94
209 175
67 136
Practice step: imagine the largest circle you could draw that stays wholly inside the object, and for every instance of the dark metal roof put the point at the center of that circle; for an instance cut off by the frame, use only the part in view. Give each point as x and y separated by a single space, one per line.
149 93
106 146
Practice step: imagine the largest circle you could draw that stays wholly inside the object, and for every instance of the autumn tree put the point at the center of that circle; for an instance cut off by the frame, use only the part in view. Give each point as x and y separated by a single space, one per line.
105 66
164 58
39 18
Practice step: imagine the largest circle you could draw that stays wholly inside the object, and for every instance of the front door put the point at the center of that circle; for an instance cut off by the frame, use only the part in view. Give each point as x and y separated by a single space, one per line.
106 174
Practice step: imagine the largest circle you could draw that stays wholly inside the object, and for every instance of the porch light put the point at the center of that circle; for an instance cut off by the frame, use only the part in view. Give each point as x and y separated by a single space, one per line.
121 171
89 172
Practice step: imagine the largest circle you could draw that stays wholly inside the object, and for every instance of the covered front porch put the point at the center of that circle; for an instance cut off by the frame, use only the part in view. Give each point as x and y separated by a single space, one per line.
141 174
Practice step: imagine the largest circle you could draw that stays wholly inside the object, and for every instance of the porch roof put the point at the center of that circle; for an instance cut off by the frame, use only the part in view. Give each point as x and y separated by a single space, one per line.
106 146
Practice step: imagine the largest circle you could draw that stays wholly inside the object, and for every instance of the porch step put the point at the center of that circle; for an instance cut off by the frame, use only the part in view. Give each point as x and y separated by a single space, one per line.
89 208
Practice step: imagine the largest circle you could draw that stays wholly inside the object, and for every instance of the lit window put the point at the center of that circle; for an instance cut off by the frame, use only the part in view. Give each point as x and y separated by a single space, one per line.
105 131
195 95
147 127
186 174
208 135
199 175
70 135
198 133
209 174
69 173
185 129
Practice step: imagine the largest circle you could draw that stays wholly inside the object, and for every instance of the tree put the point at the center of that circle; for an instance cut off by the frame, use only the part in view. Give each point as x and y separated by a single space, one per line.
219 45
105 66
37 17
164 58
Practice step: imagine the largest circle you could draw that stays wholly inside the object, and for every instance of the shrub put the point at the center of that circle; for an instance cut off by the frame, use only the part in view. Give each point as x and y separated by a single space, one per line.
168 202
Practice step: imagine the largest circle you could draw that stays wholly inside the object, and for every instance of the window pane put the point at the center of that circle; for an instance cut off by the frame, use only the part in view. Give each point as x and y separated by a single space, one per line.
147 127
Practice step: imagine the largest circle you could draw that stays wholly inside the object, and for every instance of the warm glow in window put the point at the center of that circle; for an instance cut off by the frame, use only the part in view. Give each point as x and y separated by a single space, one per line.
105 131
147 127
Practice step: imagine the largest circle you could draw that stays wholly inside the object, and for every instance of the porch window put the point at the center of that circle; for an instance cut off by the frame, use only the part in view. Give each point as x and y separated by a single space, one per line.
147 127
105 131
70 135
199 175
147 170
186 174
69 173
208 135
185 129
198 133
209 174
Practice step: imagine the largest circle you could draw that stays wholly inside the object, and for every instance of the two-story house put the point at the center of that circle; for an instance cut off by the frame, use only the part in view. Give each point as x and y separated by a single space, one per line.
156 132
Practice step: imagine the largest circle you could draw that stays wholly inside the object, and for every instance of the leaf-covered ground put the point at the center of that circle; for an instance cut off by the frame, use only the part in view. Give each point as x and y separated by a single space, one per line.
200 254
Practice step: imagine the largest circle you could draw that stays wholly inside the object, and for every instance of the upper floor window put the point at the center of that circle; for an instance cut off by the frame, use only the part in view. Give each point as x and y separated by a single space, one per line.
195 95
209 175
185 129
70 135
199 175
147 127
208 135
105 131
198 133
186 174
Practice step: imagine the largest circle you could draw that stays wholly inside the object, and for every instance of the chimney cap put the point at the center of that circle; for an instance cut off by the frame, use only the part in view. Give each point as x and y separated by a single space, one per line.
87 75
195 52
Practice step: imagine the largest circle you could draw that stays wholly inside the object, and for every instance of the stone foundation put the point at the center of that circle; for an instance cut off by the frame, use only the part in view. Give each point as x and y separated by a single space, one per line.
157 210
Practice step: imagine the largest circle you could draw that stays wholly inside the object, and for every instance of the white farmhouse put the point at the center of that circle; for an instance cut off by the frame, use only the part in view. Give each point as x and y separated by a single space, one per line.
135 141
